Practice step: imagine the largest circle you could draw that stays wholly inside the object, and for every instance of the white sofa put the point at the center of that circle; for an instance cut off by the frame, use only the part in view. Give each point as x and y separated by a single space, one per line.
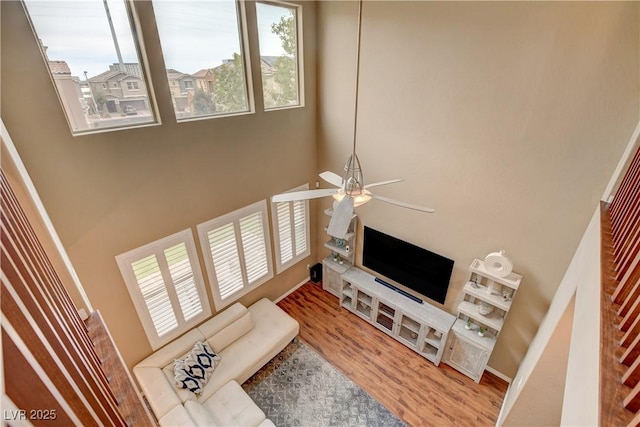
246 339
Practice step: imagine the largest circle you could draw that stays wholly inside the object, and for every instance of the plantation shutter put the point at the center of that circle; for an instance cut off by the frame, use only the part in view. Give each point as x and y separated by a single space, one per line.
155 295
300 225
166 286
224 253
291 229
285 233
238 246
183 281
254 247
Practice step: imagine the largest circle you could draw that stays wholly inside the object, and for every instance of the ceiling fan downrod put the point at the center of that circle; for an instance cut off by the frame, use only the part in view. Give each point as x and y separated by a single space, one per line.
353 181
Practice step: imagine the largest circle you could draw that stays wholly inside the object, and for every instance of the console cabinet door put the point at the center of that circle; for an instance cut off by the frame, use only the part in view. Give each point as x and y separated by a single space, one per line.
409 330
331 280
386 316
466 357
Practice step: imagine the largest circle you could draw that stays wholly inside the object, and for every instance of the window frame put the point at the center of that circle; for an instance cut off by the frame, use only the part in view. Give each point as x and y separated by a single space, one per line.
125 262
138 41
245 54
296 258
300 53
224 220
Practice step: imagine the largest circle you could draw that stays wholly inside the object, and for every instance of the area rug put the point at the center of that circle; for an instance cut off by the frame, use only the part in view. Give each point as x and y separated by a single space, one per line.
299 388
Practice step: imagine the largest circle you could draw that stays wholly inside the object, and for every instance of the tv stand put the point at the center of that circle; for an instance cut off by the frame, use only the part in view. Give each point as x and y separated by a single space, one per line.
421 327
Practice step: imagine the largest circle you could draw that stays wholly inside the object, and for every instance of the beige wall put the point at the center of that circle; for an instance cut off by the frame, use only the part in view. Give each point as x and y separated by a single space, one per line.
507 118
112 192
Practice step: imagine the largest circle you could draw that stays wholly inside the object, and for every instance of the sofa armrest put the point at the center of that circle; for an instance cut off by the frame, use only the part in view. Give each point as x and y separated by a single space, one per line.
160 394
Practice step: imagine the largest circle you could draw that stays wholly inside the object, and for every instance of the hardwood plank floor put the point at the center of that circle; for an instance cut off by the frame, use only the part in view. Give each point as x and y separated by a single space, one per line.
411 387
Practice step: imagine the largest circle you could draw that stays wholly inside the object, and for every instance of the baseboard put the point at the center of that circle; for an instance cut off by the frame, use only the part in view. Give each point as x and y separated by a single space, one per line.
290 291
499 374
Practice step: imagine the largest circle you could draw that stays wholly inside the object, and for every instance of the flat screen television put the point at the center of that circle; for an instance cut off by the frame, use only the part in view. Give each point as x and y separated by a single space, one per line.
411 266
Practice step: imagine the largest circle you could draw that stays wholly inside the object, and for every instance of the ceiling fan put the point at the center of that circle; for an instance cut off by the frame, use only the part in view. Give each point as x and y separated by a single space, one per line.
350 190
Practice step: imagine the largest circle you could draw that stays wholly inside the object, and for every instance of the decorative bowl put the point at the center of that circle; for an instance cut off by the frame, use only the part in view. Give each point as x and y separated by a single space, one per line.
484 308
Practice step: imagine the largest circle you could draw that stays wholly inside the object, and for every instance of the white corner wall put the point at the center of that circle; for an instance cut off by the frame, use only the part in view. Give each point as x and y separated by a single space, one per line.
579 281
541 386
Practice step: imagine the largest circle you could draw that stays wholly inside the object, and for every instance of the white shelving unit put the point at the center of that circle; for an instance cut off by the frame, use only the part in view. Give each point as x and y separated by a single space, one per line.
466 350
421 327
341 257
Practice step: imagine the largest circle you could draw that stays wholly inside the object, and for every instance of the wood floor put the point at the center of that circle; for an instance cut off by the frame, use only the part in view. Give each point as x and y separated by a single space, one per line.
410 386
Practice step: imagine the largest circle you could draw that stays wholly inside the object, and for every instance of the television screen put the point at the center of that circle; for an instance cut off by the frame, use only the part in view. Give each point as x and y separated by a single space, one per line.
411 266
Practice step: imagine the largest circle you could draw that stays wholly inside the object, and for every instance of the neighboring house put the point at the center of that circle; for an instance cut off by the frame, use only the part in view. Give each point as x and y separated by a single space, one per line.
132 68
205 79
70 94
120 90
267 65
180 85
270 86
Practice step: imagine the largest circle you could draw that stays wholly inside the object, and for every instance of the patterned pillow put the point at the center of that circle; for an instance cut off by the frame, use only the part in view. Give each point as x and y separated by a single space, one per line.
183 379
196 368
205 356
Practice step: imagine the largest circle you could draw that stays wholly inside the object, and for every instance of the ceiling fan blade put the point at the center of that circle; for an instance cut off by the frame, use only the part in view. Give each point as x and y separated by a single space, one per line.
403 204
332 178
341 217
304 195
376 184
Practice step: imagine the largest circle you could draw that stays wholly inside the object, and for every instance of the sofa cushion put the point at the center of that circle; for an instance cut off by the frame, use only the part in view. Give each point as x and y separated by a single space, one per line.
200 414
273 330
232 406
222 320
231 333
178 416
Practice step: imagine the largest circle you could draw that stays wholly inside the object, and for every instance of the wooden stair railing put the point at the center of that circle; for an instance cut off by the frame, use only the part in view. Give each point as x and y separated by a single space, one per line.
57 370
620 303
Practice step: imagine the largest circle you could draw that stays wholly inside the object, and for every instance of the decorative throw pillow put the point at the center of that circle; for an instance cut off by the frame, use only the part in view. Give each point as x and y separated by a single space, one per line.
195 369
183 379
205 356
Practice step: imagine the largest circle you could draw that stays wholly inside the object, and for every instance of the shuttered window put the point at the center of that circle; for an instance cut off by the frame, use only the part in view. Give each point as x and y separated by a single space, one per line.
166 286
237 252
291 231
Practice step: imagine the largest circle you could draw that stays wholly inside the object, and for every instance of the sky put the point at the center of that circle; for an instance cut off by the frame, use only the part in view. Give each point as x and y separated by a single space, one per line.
193 34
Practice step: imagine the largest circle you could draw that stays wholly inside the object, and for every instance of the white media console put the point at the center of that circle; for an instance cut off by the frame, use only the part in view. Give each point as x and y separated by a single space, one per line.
421 327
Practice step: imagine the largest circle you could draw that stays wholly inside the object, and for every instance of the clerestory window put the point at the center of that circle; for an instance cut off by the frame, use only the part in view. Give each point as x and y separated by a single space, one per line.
204 40
280 53
89 47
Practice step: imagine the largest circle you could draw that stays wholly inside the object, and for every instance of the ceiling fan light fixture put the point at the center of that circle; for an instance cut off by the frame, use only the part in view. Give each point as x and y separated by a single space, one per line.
358 199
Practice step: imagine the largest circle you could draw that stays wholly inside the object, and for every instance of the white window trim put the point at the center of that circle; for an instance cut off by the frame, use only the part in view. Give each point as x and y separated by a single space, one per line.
136 32
124 263
234 218
244 45
280 266
300 61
